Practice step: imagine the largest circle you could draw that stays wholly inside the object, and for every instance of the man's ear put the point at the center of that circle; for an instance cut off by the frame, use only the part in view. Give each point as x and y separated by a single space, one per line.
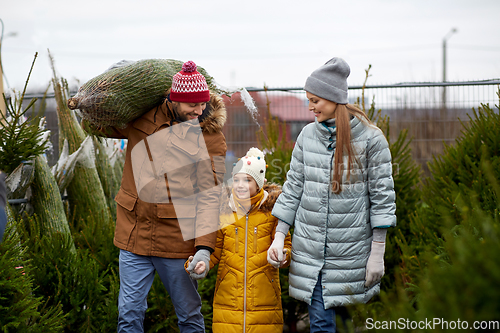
175 107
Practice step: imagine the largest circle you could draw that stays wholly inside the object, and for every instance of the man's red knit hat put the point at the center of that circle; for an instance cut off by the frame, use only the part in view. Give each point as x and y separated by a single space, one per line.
189 86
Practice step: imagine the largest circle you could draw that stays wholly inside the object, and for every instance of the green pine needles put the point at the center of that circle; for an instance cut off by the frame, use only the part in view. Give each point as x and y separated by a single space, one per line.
20 309
449 268
23 134
468 168
278 151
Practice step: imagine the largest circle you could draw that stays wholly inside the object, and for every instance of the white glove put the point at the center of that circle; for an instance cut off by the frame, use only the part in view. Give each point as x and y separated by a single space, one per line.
375 264
275 251
200 256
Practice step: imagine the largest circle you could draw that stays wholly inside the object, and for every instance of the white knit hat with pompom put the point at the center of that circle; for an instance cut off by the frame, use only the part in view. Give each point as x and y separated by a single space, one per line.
252 164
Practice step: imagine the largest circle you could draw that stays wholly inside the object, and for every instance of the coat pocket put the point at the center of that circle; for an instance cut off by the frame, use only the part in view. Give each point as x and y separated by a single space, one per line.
189 147
236 240
176 226
126 217
265 289
126 200
226 288
172 211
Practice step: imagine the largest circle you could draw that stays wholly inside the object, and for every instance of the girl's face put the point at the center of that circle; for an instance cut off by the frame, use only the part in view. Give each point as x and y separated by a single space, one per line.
244 186
323 109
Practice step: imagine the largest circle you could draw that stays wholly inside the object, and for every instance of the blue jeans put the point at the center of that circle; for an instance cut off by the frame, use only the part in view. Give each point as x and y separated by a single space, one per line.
321 320
136 277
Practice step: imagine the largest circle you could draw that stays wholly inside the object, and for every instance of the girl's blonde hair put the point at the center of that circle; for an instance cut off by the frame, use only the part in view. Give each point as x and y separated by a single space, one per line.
342 115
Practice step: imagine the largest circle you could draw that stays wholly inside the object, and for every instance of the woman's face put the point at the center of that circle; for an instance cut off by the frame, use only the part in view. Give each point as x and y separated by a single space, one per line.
323 109
244 186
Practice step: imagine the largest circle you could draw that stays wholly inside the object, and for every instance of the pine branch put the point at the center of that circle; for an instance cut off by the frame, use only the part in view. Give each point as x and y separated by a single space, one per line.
20 136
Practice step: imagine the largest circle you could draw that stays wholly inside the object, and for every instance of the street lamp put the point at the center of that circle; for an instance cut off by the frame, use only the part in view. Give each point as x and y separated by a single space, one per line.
448 35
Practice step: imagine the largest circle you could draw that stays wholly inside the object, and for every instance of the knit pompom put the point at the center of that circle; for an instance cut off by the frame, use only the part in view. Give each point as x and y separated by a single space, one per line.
189 67
256 152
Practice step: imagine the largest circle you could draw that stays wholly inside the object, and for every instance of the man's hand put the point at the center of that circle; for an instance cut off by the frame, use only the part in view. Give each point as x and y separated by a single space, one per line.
275 251
199 264
375 264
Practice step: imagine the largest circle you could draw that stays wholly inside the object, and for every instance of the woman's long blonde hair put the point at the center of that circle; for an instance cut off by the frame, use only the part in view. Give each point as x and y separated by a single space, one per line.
342 115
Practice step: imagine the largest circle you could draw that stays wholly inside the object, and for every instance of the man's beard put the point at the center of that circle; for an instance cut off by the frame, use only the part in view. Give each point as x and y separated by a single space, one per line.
180 117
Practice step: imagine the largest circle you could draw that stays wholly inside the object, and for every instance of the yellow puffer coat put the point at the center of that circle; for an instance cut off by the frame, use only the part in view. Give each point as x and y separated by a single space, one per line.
248 293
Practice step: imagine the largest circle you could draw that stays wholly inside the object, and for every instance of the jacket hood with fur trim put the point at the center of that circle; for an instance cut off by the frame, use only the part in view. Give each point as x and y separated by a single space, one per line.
273 191
214 116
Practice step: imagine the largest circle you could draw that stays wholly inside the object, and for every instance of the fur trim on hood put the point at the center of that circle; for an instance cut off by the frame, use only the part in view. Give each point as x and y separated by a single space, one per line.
273 190
216 119
214 116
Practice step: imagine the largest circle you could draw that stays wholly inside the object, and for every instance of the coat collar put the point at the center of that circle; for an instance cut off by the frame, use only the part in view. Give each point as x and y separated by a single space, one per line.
272 192
233 205
328 134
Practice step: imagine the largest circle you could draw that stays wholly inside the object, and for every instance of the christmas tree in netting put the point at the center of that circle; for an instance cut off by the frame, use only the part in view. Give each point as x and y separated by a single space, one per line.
127 90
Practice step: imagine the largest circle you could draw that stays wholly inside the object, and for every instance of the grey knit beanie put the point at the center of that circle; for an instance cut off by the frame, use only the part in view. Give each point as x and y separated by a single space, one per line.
330 81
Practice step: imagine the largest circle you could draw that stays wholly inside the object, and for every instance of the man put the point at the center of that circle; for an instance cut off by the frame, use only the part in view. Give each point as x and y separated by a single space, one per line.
168 203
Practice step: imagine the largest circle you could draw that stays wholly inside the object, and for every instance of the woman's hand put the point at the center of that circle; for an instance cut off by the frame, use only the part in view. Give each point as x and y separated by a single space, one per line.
375 264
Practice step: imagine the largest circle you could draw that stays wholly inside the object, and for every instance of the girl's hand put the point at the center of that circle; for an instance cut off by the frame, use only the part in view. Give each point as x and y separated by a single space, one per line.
200 266
285 251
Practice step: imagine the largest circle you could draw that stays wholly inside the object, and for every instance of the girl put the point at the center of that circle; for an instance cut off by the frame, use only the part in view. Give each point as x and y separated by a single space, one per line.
339 195
247 293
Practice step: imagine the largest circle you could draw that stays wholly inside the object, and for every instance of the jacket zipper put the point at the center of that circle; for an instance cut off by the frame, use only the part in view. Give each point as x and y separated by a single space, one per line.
245 277
255 239
328 207
236 240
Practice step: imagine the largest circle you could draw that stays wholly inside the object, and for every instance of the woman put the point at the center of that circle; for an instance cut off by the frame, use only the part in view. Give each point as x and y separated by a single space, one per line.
339 196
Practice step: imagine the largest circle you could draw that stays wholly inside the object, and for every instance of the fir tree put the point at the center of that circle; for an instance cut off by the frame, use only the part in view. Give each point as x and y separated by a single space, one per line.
75 280
452 271
85 192
406 174
23 135
20 309
272 139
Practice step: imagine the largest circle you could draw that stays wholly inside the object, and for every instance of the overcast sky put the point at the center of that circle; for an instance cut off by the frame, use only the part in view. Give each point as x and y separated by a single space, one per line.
252 43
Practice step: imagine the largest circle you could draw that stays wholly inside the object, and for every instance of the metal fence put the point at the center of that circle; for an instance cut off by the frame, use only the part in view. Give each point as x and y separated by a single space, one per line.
433 113
432 121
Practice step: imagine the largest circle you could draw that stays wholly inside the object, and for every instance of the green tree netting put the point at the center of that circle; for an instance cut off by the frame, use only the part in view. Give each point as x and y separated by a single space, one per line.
124 93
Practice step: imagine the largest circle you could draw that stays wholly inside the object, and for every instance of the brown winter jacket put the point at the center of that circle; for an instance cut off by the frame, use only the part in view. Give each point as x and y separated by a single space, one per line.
177 206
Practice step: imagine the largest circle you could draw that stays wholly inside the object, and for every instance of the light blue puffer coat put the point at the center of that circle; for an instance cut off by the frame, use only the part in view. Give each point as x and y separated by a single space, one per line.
333 232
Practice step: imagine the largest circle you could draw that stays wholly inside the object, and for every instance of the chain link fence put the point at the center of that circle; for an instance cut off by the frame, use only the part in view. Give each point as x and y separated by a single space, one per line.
433 113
